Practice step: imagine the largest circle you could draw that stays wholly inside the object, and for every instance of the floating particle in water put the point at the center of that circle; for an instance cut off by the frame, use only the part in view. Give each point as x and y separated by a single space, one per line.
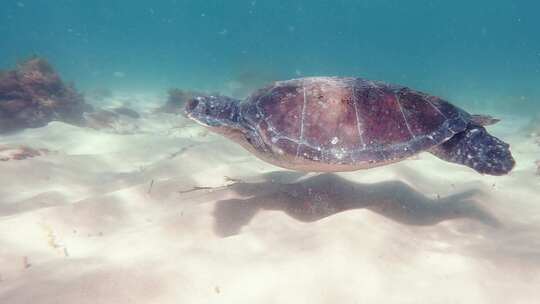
483 31
119 74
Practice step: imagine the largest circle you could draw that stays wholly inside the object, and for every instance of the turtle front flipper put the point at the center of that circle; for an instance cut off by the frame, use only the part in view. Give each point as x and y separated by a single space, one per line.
477 149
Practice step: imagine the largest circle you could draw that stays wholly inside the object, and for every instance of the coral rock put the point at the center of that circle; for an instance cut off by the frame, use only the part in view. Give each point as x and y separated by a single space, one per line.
20 153
33 95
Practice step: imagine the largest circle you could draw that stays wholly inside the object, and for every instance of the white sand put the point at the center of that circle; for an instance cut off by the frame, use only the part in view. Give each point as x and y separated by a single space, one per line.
86 224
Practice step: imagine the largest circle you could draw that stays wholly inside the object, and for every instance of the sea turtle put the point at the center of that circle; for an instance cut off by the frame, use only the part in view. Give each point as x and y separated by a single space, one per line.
331 124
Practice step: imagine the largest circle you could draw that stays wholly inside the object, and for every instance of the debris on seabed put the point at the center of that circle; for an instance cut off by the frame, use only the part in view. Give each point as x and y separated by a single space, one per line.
151 186
26 263
232 180
181 151
229 182
197 188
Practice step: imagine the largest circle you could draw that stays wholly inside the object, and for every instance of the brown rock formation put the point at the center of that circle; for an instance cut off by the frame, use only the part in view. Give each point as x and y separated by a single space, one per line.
33 94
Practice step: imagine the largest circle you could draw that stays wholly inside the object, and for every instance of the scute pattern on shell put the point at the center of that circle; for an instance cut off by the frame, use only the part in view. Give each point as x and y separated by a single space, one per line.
349 120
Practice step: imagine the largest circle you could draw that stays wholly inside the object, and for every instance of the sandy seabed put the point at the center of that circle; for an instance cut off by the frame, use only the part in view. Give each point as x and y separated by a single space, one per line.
172 214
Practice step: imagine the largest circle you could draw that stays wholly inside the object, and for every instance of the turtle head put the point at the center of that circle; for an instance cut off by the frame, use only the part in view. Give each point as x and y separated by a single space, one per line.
221 114
213 111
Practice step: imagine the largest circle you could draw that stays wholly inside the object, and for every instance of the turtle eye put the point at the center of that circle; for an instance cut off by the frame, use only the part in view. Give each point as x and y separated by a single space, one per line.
192 104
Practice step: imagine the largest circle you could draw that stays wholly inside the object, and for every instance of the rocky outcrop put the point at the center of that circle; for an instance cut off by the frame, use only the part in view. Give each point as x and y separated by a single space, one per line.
20 152
33 94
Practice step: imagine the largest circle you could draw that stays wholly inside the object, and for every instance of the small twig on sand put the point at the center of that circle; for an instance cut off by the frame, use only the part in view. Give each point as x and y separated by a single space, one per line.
181 151
196 188
26 263
151 185
231 182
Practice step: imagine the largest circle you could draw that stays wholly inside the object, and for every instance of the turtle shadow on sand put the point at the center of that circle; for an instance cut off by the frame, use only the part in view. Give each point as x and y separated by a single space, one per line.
313 198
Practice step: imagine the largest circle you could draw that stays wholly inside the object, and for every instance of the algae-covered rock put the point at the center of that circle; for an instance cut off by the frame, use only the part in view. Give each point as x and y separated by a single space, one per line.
33 94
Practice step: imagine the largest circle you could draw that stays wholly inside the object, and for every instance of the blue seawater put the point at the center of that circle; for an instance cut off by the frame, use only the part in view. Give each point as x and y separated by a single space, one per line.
477 53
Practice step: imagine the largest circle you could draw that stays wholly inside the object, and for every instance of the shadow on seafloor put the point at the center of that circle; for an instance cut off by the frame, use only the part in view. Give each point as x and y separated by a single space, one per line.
316 197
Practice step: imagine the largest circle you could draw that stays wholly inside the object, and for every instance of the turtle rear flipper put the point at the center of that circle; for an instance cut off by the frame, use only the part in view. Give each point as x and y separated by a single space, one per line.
484 120
476 149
